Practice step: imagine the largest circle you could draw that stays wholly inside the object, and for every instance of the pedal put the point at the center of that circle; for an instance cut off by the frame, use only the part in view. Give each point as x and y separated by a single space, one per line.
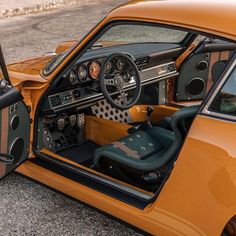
61 123
80 121
73 120
81 126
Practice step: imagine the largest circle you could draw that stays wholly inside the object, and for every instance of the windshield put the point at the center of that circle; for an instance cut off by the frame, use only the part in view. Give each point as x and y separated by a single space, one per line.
134 33
126 33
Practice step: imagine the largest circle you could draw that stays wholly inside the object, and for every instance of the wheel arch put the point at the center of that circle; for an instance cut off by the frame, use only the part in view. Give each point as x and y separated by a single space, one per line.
230 227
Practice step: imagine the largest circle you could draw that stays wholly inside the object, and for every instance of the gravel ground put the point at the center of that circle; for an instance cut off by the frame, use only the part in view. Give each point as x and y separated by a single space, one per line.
32 35
9 8
27 208
13 4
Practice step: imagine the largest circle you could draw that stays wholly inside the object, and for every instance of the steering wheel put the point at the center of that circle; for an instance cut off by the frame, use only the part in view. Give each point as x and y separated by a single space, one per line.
119 71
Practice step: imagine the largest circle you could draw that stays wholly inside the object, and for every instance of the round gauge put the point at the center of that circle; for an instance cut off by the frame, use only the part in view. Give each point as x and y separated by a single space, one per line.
109 67
82 73
94 69
72 77
120 64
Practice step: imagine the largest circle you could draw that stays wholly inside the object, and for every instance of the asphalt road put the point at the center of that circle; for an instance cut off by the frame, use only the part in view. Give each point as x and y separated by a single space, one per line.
28 36
27 208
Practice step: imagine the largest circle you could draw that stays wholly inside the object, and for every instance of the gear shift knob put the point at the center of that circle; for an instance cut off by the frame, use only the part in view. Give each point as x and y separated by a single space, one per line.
149 111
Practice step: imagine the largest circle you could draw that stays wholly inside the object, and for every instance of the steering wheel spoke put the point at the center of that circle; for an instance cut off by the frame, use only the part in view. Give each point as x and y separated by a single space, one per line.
123 96
110 82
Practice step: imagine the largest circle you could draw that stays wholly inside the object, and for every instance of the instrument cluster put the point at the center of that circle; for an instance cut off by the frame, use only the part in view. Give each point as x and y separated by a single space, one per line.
90 71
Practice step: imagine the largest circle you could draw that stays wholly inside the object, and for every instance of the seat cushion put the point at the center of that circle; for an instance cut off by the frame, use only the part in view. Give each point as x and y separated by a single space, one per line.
140 143
148 145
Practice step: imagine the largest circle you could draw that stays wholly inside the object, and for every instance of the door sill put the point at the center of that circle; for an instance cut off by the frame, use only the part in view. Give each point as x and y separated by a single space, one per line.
101 184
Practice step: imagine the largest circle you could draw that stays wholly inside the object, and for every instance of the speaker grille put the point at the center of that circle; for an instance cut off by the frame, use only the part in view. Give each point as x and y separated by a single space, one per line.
195 87
202 65
17 148
15 121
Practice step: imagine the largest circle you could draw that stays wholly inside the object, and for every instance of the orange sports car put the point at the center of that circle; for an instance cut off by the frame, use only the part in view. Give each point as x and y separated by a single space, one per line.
137 119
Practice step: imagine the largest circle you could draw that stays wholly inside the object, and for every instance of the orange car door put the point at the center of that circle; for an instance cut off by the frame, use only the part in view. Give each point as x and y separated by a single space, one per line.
14 124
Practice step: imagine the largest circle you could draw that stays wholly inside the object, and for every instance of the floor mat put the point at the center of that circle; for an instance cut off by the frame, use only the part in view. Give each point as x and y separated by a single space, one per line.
82 154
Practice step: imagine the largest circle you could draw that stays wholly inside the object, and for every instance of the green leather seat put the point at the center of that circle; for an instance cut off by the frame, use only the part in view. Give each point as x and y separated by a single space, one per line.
150 149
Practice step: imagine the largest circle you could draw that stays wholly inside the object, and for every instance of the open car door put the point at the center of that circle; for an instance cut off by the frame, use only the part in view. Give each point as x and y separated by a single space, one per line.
14 124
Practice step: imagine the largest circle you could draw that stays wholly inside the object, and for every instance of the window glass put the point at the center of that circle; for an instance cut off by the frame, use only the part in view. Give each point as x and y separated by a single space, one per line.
225 101
134 33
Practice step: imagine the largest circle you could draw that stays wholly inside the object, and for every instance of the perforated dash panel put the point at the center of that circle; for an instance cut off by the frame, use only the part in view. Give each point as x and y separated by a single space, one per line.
104 110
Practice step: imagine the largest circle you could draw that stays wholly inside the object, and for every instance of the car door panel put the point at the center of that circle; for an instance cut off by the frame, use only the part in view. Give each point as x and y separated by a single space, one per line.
195 77
14 130
192 80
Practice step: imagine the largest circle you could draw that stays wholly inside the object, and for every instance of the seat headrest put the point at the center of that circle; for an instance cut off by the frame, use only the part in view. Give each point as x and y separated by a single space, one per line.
217 69
184 113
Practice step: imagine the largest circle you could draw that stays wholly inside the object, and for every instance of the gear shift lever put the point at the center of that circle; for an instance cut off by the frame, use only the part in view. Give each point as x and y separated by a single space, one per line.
144 125
149 113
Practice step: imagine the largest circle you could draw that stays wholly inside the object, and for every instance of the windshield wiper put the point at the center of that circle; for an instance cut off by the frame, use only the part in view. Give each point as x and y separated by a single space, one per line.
96 45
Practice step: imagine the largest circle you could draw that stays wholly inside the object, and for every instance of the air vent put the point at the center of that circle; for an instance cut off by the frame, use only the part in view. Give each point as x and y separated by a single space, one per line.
171 67
55 100
141 60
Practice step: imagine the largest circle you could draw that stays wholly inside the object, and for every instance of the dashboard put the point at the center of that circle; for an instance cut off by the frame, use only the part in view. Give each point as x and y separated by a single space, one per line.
79 86
89 93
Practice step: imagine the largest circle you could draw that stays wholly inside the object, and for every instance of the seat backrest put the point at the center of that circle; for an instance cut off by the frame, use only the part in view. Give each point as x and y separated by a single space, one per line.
175 119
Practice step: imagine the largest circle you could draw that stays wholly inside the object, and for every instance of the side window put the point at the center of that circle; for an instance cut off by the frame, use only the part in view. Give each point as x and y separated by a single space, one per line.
225 100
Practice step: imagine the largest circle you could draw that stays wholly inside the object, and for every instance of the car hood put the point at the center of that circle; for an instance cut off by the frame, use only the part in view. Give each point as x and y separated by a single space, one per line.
64 46
28 70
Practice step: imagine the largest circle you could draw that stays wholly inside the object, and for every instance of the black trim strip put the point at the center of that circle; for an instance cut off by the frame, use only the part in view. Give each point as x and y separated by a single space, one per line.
3 67
216 47
123 193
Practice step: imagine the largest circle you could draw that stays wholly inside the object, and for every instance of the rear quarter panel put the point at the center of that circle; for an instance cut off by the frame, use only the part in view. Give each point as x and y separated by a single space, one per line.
202 186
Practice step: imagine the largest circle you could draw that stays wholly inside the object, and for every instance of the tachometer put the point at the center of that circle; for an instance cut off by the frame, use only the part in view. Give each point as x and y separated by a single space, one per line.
82 73
94 69
120 64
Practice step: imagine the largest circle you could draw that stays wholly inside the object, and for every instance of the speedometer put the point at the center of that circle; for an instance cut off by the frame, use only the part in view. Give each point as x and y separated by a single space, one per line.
72 77
82 73
109 67
94 69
